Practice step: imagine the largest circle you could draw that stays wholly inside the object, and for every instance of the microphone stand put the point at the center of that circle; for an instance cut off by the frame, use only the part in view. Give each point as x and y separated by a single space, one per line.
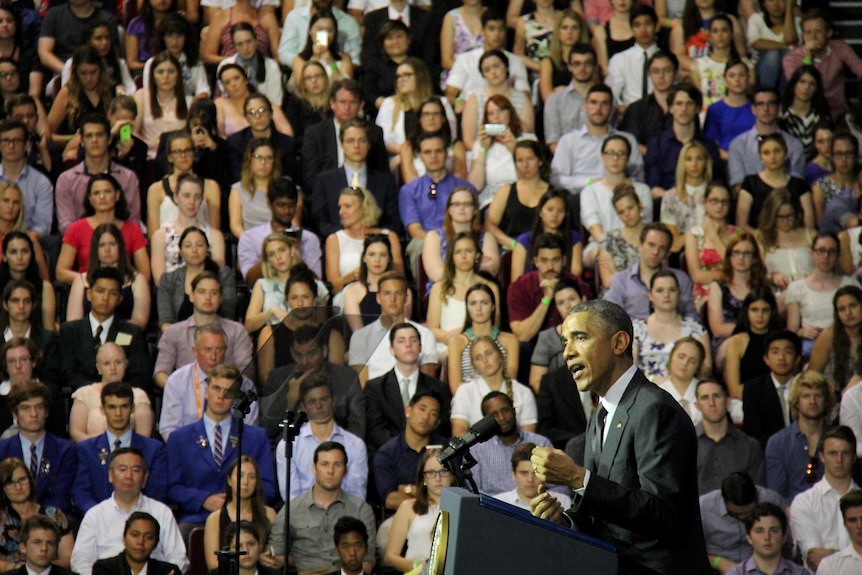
463 471
228 561
292 423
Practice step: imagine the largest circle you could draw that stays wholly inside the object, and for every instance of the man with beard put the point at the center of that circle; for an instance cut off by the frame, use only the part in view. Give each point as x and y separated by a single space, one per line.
638 486
564 111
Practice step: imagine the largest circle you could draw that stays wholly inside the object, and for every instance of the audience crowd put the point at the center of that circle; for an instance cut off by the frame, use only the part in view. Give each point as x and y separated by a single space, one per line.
377 213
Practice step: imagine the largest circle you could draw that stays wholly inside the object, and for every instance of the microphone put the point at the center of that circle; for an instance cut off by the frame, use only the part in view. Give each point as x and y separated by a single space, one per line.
243 401
479 432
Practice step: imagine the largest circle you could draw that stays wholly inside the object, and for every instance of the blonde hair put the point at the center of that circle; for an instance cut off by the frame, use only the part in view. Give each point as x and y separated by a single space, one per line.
18 226
810 380
370 210
267 270
681 192
555 49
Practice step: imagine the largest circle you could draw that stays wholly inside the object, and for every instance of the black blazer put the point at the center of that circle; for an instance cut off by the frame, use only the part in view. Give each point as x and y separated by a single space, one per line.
286 146
384 410
422 43
117 566
55 570
761 407
642 492
327 189
78 356
561 413
320 151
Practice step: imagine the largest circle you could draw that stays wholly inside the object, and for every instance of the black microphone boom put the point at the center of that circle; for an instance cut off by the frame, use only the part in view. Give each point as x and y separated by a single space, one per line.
479 432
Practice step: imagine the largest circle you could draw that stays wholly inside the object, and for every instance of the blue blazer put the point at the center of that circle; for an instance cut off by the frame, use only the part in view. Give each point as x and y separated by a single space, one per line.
56 469
92 486
195 475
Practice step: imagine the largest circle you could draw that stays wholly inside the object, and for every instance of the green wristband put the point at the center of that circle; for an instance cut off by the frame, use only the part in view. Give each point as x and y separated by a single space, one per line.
715 562
546 301
514 243
806 61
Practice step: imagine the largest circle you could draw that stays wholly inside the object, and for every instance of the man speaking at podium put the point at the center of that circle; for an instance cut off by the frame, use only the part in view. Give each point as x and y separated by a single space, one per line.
639 484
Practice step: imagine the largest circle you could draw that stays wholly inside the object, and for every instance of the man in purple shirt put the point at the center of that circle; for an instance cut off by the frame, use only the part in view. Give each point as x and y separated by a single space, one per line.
72 184
422 202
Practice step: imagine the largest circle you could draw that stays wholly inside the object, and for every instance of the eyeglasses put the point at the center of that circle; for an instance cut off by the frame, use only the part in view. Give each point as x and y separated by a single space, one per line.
843 155
785 216
811 471
742 253
430 473
263 159
9 74
717 202
617 155
313 77
404 76
11 141
432 191
825 252
17 482
258 112
183 152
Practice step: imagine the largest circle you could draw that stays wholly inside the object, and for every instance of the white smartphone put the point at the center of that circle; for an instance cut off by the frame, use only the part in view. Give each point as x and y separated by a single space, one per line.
495 129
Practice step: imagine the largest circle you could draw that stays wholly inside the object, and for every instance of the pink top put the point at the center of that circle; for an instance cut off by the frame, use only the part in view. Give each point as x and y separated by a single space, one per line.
80 233
600 11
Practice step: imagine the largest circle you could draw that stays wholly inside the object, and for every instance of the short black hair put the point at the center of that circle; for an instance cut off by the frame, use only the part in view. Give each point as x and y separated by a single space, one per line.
282 188
600 89
842 433
127 451
738 488
662 55
118 389
96 118
492 15
686 88
422 394
106 273
346 525
782 335
400 326
142 516
493 395
641 10
546 241
850 500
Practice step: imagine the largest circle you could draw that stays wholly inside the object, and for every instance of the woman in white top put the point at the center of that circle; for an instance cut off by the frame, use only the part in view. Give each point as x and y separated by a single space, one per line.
785 240
161 202
809 300
263 73
163 106
597 210
493 164
165 248
447 307
489 364
771 34
683 371
682 207
359 215
414 521
87 419
494 67
412 88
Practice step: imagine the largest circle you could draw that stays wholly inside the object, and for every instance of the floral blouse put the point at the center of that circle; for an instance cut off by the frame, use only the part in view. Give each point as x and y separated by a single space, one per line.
10 524
653 355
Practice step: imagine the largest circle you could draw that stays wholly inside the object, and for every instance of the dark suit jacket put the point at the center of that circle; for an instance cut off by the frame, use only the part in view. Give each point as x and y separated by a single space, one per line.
349 408
561 413
385 417
55 570
761 407
327 189
78 356
56 469
286 146
642 492
320 151
195 476
422 45
91 483
117 565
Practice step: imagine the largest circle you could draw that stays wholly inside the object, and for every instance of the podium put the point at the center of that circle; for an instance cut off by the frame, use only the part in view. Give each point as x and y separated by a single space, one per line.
480 535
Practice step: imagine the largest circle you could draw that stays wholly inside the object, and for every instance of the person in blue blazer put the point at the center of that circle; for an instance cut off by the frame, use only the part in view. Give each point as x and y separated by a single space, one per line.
200 453
54 460
91 484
